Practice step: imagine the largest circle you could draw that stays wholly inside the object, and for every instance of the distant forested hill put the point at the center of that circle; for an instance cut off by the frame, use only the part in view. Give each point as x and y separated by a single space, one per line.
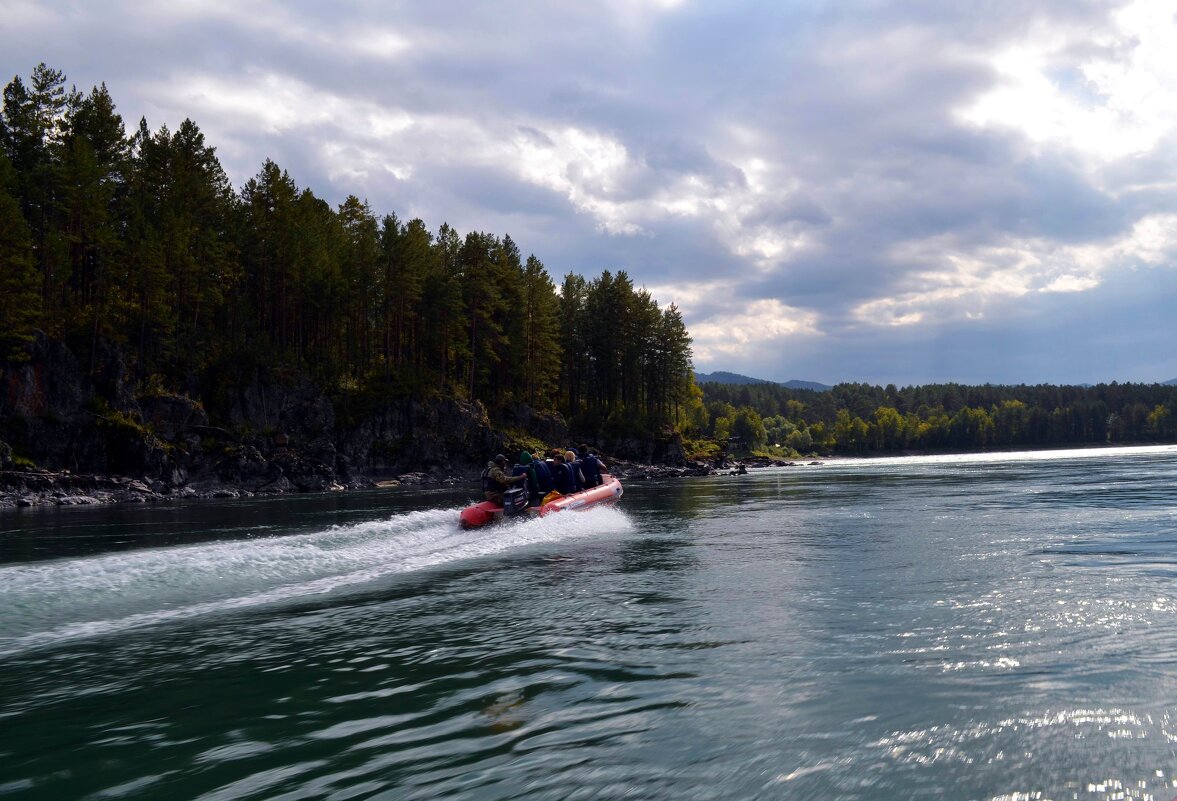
858 418
814 385
722 377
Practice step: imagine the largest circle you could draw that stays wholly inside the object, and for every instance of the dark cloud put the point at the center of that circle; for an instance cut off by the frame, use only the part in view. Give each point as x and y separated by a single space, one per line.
815 155
1047 339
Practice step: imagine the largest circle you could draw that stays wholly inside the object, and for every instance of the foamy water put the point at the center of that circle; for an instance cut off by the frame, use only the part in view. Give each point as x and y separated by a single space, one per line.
49 602
996 626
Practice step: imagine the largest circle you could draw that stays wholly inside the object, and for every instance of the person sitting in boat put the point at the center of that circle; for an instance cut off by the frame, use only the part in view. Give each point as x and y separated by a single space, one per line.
543 475
495 480
526 469
562 475
592 466
572 461
539 477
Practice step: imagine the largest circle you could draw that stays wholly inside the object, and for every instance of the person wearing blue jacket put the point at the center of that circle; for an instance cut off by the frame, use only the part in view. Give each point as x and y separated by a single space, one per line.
539 477
590 466
562 475
577 476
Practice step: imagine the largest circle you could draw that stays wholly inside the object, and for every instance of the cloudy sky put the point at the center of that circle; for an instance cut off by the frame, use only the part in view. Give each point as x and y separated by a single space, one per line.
862 190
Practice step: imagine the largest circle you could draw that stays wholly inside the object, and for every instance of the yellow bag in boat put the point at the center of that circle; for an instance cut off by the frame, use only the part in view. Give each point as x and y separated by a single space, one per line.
551 496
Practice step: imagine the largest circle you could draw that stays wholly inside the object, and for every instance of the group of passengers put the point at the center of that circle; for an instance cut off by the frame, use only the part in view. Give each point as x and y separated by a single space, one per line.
564 472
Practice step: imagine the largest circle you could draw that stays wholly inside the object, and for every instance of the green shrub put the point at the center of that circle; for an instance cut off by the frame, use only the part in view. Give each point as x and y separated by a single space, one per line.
701 450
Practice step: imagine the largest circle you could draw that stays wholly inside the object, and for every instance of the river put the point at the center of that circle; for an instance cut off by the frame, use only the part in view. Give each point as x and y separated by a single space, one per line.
998 626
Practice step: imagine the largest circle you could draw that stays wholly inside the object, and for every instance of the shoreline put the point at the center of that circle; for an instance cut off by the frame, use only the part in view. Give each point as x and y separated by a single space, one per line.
21 489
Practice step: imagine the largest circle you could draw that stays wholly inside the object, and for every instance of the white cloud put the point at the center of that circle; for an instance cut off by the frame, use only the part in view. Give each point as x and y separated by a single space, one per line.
357 138
636 16
382 43
1071 283
25 14
760 325
583 165
723 325
1120 102
902 169
958 284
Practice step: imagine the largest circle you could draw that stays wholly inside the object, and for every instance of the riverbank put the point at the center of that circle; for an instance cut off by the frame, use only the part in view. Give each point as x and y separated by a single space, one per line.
36 487
24 488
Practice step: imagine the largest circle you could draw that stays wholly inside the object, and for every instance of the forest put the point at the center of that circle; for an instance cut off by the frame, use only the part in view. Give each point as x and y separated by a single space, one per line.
861 418
138 239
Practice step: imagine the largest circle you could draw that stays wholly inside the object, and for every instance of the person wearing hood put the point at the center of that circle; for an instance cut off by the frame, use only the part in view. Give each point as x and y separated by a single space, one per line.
539 476
495 480
526 467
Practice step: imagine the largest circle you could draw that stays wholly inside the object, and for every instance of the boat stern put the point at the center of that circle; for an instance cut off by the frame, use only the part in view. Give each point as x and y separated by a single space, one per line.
478 515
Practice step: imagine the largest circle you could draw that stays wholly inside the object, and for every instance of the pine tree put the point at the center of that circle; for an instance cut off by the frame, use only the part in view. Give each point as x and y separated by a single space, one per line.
541 333
20 300
150 321
94 188
574 367
443 345
484 314
271 253
361 282
33 126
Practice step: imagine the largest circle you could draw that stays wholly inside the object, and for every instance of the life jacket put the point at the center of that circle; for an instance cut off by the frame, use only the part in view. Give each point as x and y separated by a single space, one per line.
591 467
490 484
543 476
563 479
529 471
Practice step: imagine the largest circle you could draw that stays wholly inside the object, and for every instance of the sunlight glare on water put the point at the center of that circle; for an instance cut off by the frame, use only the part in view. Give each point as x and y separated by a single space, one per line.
970 627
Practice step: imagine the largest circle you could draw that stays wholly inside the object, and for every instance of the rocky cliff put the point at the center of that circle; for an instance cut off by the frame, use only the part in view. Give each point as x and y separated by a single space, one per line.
74 433
274 433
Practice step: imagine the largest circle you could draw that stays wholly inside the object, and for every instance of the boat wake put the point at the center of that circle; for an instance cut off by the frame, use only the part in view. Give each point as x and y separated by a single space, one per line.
42 604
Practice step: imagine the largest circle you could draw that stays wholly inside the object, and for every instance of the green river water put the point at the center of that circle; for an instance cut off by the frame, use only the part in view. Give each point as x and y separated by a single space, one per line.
970 627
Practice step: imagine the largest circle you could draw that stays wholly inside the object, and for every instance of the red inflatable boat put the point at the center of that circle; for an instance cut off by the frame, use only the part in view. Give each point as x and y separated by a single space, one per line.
480 514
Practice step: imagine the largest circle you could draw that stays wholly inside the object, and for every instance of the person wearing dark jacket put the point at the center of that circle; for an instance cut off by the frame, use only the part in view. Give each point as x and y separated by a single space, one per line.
562 476
591 466
574 463
495 480
543 474
539 478
523 468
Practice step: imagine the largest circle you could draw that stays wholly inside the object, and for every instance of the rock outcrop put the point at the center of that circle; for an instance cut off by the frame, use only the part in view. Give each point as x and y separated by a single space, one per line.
93 436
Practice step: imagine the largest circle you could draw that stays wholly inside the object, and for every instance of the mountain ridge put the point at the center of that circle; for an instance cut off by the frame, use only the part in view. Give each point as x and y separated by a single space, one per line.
725 377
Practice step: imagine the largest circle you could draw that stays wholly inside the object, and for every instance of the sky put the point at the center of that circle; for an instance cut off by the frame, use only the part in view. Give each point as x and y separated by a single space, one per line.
889 192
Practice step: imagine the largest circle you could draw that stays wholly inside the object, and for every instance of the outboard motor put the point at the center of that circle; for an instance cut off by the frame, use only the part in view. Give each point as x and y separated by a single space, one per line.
514 501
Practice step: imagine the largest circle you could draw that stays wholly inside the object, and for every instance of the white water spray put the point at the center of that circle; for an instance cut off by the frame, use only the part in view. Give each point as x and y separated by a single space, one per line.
49 602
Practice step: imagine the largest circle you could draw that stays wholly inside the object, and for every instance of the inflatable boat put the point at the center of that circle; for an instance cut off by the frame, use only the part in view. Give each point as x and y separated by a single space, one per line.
480 514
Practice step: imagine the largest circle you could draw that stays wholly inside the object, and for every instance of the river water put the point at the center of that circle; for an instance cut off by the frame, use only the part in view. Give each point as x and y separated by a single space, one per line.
970 627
